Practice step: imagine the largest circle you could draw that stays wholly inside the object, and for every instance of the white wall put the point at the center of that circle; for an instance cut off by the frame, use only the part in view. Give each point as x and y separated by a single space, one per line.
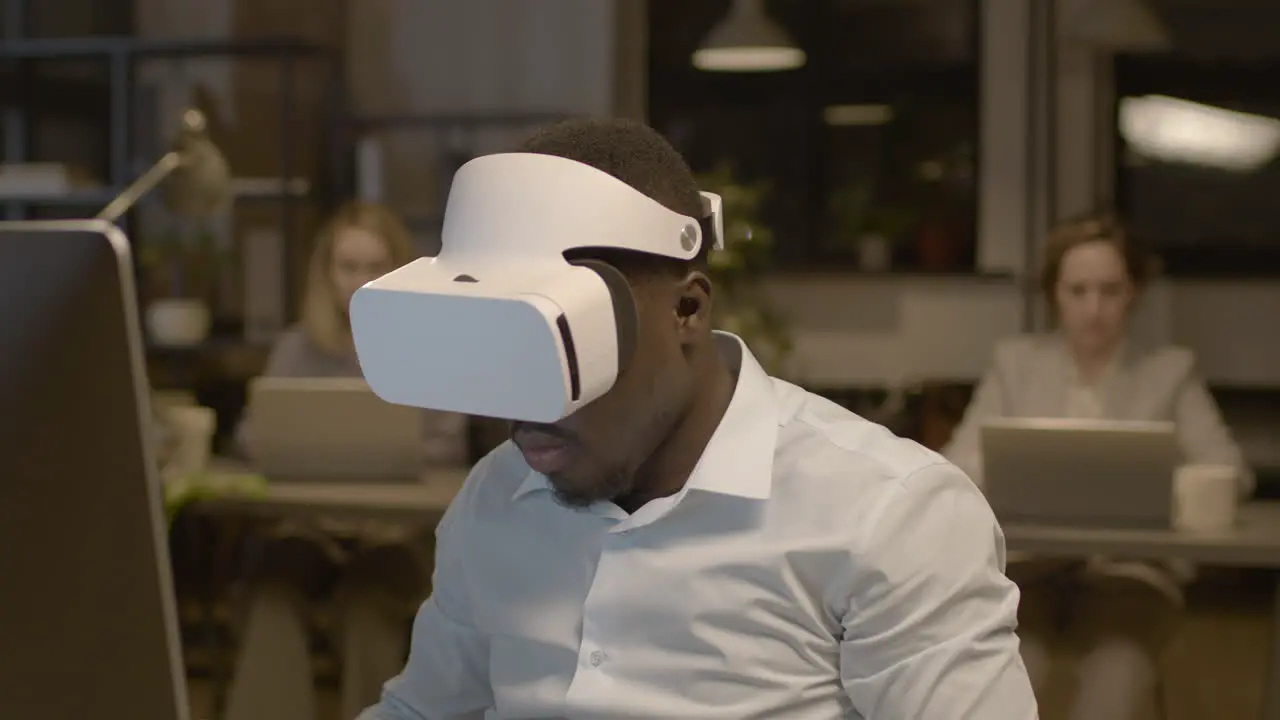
1232 326
869 331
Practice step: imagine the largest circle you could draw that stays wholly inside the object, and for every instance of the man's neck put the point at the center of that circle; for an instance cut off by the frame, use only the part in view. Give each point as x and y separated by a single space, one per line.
669 467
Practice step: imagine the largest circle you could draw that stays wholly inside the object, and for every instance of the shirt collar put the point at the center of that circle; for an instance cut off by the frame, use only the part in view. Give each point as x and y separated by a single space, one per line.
738 460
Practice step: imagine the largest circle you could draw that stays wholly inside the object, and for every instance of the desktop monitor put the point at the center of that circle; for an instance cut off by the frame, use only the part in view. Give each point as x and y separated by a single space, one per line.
88 626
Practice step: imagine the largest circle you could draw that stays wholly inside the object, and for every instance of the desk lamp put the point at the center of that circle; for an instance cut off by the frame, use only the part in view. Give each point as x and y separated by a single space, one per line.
200 182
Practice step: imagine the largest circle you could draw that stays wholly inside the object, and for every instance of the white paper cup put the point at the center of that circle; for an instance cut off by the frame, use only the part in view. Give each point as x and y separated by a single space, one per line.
193 428
177 322
1204 497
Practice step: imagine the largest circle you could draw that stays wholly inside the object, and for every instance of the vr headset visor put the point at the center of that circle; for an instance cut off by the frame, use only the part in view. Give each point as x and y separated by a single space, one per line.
500 323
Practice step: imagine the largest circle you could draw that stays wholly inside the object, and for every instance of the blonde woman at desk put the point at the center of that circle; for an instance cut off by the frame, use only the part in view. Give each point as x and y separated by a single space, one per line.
377 576
1121 612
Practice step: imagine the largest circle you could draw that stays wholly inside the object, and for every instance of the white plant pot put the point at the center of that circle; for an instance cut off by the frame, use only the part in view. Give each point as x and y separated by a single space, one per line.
177 322
875 253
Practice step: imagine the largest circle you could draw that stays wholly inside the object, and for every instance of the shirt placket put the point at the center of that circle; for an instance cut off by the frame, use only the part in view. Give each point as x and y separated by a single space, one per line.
608 587
613 584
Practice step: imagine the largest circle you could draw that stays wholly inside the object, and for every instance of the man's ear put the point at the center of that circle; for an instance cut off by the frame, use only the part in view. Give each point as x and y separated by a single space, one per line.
693 305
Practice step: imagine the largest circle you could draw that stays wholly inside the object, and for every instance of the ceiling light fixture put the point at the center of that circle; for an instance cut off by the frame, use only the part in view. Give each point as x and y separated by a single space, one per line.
864 114
1181 131
747 40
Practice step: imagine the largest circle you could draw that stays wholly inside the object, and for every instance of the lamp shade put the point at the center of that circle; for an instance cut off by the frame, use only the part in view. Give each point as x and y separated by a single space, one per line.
1118 26
199 179
747 40
201 184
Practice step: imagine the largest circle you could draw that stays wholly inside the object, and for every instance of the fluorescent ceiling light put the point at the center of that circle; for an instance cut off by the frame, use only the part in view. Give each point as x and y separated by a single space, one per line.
1174 130
857 114
1118 26
746 40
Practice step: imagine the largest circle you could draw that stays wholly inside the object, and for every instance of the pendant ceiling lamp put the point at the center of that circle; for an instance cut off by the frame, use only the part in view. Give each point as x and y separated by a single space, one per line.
1118 26
747 40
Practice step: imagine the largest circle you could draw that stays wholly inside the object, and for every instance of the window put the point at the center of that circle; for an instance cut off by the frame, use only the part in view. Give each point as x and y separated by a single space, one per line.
1198 161
874 137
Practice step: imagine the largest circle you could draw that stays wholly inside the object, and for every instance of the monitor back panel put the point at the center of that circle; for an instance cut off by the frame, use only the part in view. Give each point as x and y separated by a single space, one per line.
333 428
87 621
1092 474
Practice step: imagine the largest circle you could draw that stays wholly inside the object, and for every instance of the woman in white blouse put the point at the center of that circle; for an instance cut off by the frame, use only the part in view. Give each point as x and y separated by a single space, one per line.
1117 613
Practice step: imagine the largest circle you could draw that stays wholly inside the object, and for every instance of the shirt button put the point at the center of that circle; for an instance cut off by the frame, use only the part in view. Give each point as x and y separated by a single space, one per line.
596 658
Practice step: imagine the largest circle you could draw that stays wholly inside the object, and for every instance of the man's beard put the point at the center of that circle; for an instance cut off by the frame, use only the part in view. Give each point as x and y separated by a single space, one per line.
612 484
619 480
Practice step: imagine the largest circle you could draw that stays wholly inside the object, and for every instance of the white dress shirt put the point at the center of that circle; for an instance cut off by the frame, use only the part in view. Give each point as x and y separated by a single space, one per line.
814 567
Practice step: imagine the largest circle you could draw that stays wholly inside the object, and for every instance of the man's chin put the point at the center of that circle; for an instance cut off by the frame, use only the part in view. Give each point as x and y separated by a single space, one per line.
574 501
574 493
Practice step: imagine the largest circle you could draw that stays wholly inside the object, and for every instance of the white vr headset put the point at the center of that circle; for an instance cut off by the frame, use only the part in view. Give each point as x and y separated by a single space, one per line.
500 324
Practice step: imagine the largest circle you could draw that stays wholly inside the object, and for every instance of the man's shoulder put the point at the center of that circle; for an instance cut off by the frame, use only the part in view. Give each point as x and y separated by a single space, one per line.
850 481
495 478
829 451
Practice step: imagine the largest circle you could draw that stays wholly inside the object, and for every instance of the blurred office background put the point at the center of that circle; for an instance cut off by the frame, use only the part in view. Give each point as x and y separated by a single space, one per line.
907 174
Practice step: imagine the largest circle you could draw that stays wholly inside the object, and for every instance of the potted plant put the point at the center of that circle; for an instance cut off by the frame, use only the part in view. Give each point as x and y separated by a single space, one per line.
874 231
741 306
180 268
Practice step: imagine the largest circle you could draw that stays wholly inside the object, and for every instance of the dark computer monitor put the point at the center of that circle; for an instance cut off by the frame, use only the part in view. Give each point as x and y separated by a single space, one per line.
88 627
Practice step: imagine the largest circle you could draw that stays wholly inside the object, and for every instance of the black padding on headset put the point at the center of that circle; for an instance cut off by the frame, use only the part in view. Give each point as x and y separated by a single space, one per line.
624 307
570 357
708 225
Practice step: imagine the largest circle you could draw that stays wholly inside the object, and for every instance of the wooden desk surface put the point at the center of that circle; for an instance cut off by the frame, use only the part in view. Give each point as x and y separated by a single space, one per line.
1253 543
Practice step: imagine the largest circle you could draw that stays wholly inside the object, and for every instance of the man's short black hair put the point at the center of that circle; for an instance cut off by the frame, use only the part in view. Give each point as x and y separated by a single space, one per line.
637 155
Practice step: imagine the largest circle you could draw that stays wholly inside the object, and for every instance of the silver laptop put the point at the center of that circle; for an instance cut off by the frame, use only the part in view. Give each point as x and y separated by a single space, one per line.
1083 473
319 429
88 627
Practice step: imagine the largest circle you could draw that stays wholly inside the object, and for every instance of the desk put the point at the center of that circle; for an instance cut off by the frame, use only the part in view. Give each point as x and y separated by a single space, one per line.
1253 543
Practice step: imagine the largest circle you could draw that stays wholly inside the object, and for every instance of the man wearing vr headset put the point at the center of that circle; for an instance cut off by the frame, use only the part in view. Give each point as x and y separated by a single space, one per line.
671 533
